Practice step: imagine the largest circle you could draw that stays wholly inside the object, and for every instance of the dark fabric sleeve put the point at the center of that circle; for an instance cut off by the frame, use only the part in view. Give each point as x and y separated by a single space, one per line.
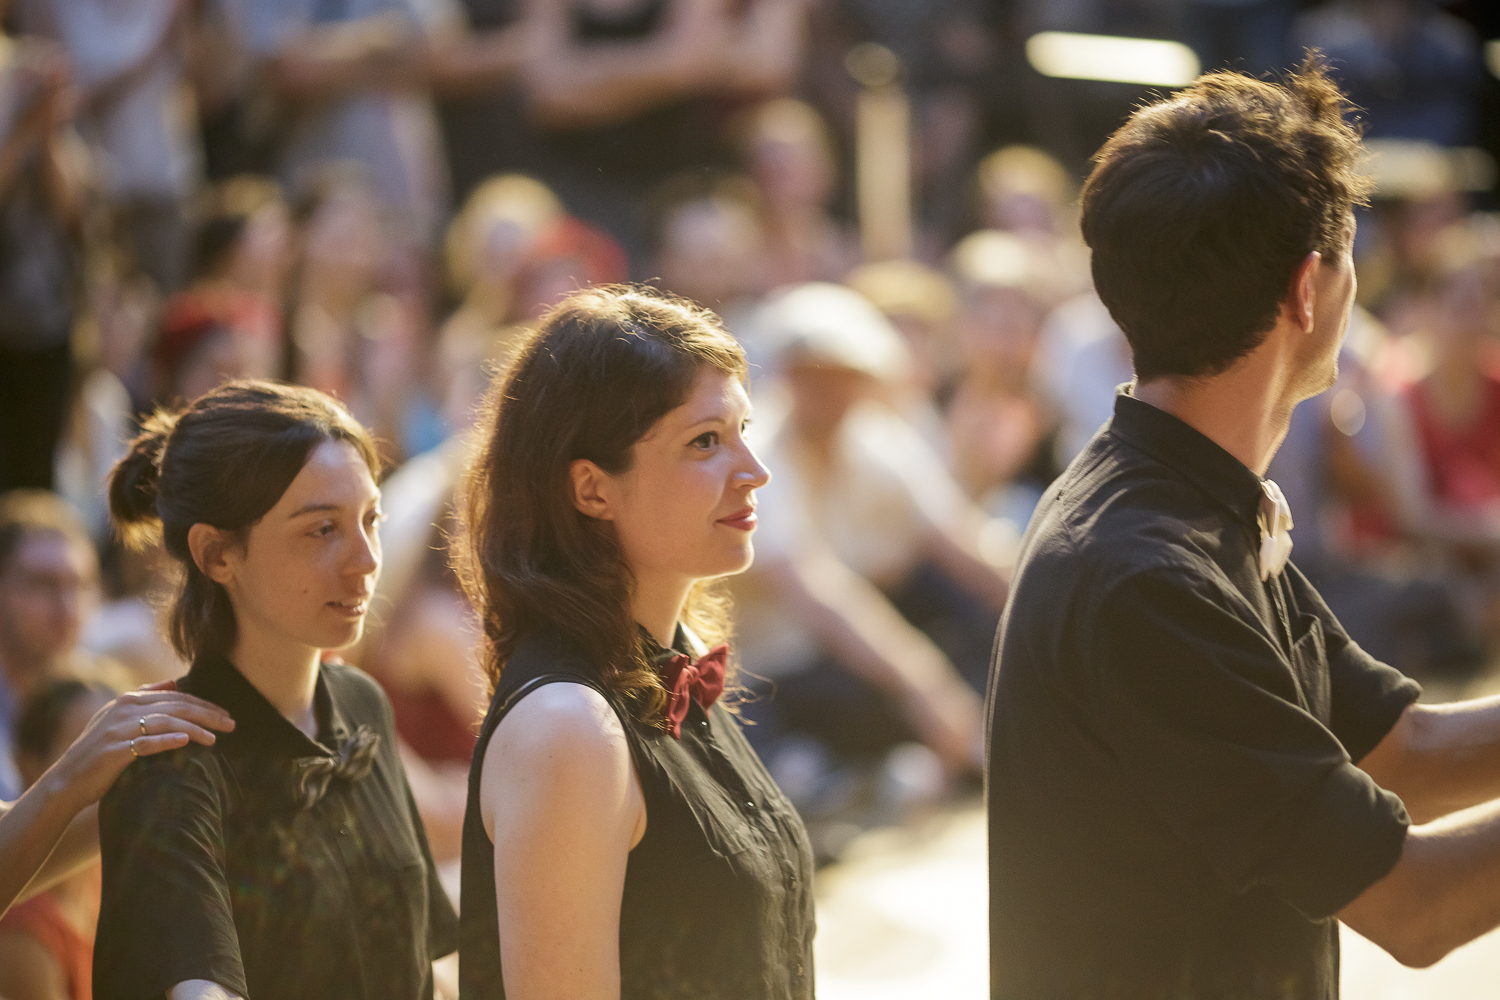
1202 712
1368 696
164 914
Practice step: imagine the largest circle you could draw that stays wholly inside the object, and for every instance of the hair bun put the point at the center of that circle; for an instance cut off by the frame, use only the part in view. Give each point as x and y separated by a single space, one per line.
133 481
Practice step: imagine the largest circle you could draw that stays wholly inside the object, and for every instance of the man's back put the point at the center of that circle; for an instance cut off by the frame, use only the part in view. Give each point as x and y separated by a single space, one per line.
1173 810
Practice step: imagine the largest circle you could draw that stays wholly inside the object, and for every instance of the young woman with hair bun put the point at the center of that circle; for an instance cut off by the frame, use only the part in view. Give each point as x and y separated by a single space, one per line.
622 839
286 860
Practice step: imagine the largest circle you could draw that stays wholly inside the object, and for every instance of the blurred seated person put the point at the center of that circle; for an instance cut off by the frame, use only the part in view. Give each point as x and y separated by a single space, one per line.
998 421
569 254
1025 191
487 246
627 93
789 154
869 612
1446 467
241 259
49 576
47 942
1334 468
710 248
920 303
1081 358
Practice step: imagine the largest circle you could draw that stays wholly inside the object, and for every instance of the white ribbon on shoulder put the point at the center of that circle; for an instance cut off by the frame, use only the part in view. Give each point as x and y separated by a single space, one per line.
1275 530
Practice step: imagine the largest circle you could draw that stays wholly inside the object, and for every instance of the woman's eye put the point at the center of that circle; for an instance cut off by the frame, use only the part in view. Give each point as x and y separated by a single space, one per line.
706 440
322 531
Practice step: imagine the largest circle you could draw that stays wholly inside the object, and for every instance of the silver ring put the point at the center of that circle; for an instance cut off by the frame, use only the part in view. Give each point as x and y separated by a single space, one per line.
132 747
143 726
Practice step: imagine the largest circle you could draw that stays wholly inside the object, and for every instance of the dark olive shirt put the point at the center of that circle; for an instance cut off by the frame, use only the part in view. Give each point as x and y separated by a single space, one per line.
1174 806
717 902
214 870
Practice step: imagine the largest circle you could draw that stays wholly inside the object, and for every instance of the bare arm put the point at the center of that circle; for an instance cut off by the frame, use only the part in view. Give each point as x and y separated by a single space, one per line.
1443 760
200 989
867 634
576 85
561 802
32 828
333 59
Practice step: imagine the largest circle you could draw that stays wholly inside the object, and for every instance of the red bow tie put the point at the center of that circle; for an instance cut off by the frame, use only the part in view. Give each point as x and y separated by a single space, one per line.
703 681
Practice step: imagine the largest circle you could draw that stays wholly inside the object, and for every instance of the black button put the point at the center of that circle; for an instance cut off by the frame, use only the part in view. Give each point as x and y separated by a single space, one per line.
704 723
749 807
343 831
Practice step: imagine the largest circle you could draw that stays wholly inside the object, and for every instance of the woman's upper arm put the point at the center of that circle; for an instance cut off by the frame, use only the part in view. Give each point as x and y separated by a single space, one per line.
560 797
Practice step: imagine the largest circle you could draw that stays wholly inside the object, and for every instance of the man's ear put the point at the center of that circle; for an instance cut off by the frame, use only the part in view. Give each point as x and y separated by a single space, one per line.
591 489
1302 295
209 547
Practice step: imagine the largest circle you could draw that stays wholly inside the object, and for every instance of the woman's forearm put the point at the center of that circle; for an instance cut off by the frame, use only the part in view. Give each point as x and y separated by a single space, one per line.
29 832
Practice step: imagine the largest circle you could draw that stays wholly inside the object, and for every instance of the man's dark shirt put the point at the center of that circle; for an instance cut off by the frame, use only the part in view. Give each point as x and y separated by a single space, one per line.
213 869
1173 807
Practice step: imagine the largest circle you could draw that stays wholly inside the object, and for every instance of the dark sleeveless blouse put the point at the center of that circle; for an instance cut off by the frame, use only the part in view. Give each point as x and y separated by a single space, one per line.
718 898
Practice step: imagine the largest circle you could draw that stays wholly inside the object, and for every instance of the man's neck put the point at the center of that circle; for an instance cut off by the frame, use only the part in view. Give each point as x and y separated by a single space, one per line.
20 674
1245 410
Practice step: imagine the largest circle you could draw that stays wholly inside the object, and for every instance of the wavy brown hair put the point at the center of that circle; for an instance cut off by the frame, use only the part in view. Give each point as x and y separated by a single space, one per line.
593 378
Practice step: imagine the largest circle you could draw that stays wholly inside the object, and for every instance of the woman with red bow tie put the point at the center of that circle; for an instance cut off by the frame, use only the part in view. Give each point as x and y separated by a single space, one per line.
622 839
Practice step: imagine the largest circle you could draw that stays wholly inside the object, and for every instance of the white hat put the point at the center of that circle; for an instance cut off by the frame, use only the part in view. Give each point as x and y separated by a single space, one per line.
835 325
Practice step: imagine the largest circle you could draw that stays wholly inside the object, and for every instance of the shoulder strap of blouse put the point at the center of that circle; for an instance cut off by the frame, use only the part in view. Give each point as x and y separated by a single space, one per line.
538 681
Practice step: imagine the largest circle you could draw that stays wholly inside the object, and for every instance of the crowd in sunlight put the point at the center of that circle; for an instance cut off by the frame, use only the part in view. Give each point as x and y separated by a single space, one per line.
378 198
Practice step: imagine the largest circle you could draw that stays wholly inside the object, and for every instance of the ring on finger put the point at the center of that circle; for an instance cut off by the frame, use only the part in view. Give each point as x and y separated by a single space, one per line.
143 725
132 747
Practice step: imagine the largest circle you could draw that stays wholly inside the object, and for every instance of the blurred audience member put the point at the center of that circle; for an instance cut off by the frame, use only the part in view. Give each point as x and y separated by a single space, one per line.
129 62
869 610
1024 191
998 423
352 335
789 154
241 259
1081 357
627 93
49 577
1448 489
41 203
348 79
569 254
1333 468
920 303
489 245
47 942
1413 70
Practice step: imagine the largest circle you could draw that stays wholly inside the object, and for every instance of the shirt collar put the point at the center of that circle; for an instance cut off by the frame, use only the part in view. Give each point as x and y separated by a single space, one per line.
258 724
1188 452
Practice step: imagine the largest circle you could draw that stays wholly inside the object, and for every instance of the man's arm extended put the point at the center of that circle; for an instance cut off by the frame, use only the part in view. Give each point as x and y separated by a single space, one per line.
1444 762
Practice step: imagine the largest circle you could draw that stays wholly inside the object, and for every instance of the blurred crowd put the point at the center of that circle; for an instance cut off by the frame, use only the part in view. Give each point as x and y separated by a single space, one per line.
375 197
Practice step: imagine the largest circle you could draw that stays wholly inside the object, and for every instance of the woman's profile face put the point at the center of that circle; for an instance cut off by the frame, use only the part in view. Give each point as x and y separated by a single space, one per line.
685 508
308 567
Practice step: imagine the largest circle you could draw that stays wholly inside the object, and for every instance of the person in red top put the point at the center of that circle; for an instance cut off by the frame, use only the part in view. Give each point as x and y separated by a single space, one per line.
47 942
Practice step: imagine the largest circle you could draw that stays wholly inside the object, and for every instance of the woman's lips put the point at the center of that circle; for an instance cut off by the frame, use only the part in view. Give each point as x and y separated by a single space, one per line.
742 520
354 608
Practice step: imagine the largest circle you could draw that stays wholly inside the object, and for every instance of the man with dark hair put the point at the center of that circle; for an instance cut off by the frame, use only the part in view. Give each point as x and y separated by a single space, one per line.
1192 768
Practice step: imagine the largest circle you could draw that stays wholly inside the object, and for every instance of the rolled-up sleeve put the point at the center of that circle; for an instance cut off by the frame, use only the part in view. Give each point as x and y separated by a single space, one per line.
1206 718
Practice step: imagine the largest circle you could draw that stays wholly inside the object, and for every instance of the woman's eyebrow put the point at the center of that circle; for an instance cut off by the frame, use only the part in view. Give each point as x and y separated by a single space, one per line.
314 508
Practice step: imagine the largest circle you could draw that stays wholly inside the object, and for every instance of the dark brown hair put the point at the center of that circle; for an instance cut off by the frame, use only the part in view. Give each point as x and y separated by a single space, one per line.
1201 206
224 461
600 369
